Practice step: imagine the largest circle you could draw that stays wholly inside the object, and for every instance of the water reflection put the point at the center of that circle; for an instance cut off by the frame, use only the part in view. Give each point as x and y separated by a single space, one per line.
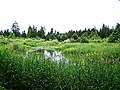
54 55
51 54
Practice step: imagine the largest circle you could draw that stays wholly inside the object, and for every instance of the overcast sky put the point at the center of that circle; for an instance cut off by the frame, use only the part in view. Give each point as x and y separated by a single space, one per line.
62 15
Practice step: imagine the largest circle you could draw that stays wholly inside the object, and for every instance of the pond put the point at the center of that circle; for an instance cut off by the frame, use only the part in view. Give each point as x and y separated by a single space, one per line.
50 54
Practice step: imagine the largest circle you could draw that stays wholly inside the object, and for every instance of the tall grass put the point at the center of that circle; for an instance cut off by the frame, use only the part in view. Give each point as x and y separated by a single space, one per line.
90 67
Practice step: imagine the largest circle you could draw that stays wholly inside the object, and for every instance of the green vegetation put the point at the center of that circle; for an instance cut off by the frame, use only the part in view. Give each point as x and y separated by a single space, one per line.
82 36
90 66
93 59
115 36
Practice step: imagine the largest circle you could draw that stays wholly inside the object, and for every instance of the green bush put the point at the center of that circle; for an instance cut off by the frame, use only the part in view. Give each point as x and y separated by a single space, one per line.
75 36
73 40
83 40
95 40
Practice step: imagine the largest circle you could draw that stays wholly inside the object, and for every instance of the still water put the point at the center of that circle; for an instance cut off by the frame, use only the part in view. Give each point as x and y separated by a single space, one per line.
50 54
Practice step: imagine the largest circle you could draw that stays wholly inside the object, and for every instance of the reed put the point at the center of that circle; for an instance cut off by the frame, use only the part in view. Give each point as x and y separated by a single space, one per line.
89 67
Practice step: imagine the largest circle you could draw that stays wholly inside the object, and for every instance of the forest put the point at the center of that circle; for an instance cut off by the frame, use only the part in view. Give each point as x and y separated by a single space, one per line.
82 36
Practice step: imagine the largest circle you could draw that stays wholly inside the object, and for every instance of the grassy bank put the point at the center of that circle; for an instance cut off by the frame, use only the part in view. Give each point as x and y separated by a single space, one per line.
93 66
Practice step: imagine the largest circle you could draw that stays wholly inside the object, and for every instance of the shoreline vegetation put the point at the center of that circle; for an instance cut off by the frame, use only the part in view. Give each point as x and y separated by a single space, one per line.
92 59
90 66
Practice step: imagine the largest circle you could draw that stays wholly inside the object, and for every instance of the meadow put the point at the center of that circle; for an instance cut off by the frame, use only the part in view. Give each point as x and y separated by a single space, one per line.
90 66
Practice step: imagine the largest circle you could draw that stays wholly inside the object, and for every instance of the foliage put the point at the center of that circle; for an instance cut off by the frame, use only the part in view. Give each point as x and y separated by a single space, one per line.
91 35
75 36
15 28
115 36
2 88
32 32
23 34
105 31
83 40
6 33
90 66
3 41
41 33
94 37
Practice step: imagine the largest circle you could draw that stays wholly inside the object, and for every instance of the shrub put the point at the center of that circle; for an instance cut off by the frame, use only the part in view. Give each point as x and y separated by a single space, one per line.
75 36
95 40
83 40
73 40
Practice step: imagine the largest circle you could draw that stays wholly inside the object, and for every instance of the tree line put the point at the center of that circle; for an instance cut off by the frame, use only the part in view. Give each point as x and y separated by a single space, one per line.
83 36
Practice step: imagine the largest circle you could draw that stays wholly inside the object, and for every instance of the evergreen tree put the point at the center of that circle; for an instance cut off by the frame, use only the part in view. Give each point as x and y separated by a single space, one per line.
79 33
47 36
57 35
29 33
15 28
63 37
41 32
1 33
93 35
105 31
6 33
84 33
70 33
117 26
32 32
50 35
115 36
24 34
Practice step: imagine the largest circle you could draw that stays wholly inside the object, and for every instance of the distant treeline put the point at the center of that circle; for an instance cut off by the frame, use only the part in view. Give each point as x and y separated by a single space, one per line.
84 36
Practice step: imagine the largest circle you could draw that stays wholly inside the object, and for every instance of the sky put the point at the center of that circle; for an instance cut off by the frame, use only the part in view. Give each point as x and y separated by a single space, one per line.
61 15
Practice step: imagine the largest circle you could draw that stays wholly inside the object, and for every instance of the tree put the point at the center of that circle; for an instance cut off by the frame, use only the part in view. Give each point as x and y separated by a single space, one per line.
23 34
70 33
93 35
50 35
57 35
6 33
51 32
1 32
62 37
117 26
47 36
29 33
115 36
105 31
15 28
41 32
84 33
32 32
